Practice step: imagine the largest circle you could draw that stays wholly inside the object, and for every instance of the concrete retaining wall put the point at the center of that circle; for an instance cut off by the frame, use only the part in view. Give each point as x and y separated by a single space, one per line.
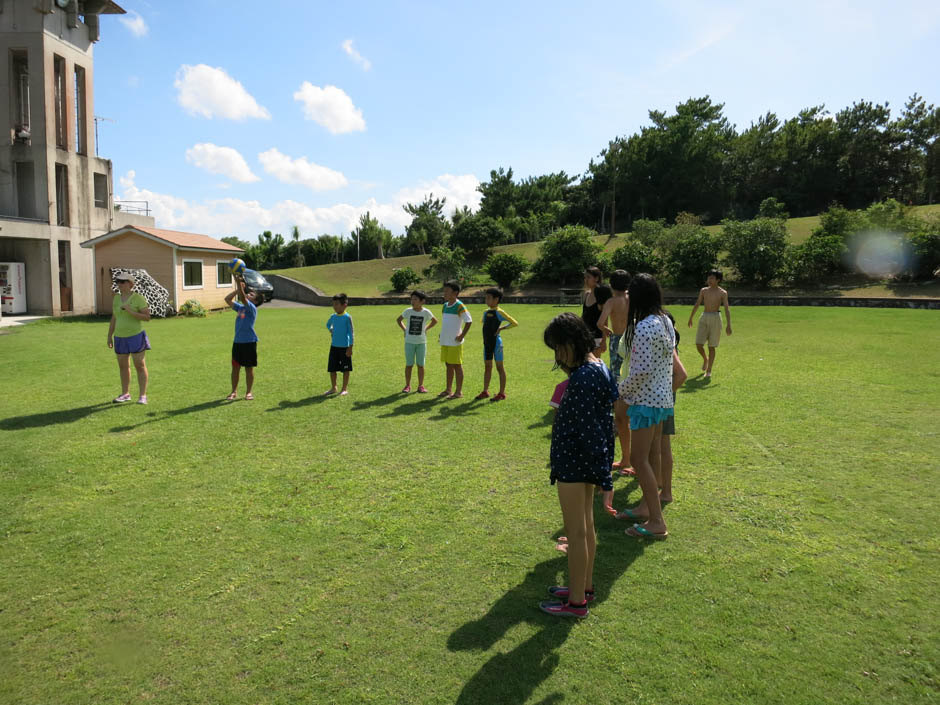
293 290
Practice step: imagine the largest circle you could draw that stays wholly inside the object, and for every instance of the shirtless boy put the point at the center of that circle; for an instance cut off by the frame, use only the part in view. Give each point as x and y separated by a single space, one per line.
712 297
615 311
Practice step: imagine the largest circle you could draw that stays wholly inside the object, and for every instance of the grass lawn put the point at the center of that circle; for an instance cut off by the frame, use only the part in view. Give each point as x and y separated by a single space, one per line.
380 548
373 277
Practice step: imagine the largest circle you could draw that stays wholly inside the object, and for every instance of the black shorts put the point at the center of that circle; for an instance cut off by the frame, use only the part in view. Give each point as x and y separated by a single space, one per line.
245 354
339 361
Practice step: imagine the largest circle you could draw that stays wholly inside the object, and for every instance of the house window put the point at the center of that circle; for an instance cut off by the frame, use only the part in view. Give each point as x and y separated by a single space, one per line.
20 94
61 194
58 79
80 145
192 273
101 191
223 274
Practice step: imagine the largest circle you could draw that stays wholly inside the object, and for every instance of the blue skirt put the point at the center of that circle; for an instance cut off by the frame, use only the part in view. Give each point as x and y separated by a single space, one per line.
645 416
135 344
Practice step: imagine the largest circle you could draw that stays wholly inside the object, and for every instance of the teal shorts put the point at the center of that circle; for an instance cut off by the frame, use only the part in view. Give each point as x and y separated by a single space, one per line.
415 352
645 416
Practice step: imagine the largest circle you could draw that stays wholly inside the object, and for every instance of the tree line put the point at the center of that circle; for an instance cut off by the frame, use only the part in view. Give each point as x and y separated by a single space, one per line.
690 161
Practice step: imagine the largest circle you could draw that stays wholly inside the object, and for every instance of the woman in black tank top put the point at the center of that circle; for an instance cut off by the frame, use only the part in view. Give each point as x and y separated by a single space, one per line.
590 309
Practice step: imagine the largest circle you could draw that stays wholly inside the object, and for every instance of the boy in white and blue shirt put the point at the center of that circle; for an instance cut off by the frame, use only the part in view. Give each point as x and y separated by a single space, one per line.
341 326
416 322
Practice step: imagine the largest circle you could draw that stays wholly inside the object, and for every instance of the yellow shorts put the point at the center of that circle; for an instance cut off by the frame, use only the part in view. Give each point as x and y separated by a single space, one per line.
709 329
452 354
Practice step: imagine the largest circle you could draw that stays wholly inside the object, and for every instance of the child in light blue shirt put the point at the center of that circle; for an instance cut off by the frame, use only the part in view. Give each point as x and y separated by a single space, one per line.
341 326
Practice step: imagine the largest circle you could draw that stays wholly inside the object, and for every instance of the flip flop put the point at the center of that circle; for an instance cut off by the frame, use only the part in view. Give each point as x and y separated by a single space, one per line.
249 396
626 472
627 514
640 532
231 397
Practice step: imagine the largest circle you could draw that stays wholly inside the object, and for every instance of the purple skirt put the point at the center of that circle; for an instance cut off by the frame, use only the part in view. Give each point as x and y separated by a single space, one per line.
135 344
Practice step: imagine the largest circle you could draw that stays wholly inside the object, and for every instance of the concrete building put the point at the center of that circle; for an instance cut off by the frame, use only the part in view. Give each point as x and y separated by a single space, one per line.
55 193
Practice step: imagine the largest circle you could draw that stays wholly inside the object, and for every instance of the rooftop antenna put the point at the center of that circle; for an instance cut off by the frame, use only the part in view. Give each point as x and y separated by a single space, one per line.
99 118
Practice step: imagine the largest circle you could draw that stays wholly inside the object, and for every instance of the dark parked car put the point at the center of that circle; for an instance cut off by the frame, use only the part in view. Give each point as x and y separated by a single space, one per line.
255 281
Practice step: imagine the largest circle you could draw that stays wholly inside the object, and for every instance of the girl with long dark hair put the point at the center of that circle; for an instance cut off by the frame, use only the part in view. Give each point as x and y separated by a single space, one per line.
647 391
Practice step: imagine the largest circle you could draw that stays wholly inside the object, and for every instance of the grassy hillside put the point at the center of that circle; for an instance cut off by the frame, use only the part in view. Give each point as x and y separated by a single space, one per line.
373 277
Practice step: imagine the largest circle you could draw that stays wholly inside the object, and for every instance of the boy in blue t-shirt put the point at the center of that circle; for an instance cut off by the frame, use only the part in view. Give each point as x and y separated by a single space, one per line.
341 326
245 346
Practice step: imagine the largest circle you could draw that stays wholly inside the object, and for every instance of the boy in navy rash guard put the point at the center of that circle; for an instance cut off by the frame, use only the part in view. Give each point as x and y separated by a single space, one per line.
493 321
341 326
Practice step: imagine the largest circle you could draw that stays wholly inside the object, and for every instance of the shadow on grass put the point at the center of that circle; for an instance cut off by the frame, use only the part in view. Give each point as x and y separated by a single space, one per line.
284 405
512 677
464 409
157 416
51 418
444 408
546 420
694 384
381 401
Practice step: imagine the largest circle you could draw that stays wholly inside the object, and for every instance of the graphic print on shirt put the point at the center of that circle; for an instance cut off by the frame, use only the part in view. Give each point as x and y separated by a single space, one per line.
415 325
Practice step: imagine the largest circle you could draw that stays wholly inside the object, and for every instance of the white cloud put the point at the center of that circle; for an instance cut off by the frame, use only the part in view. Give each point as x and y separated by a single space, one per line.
210 92
231 216
331 108
356 56
221 160
135 23
300 171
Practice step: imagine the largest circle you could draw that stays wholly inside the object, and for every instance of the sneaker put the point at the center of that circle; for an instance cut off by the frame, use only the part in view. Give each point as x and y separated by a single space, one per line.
483 395
564 609
142 399
406 389
123 398
422 390
561 592
499 397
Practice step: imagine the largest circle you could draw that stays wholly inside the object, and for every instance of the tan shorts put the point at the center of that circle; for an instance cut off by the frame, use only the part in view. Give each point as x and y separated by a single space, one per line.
452 354
709 329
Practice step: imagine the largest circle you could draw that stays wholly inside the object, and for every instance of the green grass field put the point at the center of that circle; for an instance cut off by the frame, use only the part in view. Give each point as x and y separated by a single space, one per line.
382 548
373 277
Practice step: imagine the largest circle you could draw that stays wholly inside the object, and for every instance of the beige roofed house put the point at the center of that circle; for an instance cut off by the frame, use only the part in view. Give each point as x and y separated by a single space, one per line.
188 265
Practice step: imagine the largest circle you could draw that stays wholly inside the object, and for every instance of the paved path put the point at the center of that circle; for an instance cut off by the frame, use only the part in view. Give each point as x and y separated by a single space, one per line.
18 319
282 303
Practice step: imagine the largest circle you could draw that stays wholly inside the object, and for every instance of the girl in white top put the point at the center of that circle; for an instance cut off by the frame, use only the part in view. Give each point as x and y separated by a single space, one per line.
648 392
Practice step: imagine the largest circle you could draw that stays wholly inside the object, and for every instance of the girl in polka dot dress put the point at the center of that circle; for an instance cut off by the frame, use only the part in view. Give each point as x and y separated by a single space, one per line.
581 455
647 390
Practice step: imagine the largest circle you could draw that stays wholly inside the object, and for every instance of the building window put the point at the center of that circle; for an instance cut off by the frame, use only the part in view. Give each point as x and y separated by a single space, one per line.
223 274
58 78
20 96
80 140
101 191
25 190
65 275
192 273
61 194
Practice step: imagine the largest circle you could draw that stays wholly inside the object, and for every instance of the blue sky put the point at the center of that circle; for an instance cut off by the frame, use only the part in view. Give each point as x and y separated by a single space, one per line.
235 117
